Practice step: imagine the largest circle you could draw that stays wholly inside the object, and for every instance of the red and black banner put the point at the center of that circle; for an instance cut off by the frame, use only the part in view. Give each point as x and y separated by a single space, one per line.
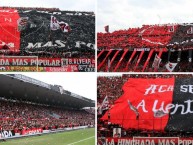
147 141
81 64
10 38
32 131
181 117
17 63
29 31
30 61
154 104
6 134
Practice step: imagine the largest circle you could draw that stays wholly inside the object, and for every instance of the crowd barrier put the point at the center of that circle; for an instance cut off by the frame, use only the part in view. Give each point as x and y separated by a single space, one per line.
6 134
146 141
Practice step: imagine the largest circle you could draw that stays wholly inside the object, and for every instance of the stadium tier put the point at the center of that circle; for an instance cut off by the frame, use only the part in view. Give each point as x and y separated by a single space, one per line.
29 107
144 107
166 47
47 34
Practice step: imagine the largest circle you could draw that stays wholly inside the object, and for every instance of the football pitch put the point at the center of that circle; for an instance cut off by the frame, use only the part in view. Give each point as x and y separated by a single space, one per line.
78 137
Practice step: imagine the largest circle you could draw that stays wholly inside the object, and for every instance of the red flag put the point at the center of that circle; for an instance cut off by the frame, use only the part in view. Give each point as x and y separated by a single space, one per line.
10 37
107 28
147 96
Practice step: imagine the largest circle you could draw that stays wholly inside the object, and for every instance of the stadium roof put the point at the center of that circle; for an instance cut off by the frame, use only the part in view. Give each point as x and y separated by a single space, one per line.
20 87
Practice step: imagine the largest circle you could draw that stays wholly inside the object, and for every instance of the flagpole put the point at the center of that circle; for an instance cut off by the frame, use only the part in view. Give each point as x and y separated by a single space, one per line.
122 119
109 116
138 126
161 123
190 59
153 125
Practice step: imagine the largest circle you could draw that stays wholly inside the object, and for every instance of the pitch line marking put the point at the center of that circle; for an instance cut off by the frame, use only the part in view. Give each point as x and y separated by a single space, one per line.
81 140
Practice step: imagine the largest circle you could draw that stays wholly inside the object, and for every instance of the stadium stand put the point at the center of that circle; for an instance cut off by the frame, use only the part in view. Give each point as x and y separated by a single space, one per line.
135 49
17 116
28 105
82 31
47 33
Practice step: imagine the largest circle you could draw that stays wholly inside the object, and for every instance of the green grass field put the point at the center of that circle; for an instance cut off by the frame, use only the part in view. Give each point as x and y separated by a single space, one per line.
78 137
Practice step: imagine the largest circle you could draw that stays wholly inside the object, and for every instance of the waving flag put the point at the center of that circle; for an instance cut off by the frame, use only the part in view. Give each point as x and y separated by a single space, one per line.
104 105
21 23
134 109
156 62
147 95
55 25
163 104
171 66
64 27
107 29
190 30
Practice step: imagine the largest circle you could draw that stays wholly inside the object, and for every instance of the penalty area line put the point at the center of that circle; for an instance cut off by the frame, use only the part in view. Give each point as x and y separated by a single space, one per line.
81 140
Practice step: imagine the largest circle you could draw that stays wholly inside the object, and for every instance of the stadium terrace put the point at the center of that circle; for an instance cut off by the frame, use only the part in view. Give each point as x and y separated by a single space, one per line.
30 107
163 113
47 33
150 48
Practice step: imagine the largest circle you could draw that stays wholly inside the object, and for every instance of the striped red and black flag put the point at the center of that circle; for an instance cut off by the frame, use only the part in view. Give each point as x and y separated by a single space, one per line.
162 104
30 30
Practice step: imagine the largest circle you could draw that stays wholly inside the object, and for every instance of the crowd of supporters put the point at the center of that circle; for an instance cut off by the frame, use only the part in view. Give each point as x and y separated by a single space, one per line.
111 87
17 116
77 43
166 38
148 36
41 9
33 8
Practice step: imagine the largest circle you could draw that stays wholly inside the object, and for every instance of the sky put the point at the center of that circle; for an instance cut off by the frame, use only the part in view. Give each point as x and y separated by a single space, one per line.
134 13
78 5
83 84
